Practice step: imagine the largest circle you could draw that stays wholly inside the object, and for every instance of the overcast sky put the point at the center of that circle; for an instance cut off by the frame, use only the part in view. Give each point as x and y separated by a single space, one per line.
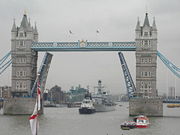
116 21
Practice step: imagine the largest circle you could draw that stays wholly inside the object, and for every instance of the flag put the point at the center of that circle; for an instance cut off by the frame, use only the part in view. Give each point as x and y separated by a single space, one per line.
34 121
33 118
38 96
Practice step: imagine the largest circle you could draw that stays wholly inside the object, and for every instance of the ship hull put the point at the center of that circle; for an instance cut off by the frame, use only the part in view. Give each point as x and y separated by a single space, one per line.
86 111
103 108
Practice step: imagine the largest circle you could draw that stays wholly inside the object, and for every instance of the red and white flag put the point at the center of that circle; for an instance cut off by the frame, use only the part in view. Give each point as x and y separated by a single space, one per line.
33 119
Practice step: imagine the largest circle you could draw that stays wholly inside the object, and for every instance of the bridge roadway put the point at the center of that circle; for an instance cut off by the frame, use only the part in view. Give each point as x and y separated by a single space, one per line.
84 46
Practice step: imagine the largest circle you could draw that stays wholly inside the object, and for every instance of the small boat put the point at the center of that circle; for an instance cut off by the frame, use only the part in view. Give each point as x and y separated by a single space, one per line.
141 121
127 125
87 106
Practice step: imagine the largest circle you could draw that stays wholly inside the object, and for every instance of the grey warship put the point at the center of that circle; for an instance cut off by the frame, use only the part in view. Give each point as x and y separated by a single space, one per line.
102 99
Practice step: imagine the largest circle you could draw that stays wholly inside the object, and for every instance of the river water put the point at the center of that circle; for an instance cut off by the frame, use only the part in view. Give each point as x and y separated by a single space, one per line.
67 121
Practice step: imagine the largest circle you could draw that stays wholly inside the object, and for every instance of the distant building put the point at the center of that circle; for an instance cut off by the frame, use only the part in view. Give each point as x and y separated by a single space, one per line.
77 94
56 95
5 92
171 93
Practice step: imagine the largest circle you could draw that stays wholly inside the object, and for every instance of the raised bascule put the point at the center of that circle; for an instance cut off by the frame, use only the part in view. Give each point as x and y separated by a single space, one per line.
143 98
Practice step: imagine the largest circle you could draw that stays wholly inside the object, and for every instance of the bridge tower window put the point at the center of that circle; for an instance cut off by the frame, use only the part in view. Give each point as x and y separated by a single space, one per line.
21 43
21 34
145 34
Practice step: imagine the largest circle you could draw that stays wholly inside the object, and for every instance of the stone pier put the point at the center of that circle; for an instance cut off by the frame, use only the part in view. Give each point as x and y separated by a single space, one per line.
19 106
146 106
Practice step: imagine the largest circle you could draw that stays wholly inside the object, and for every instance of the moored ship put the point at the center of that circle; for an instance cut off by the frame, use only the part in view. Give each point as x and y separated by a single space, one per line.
102 100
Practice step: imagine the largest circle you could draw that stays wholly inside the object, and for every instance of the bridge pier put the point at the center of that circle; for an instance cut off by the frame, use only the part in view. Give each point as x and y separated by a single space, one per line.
146 106
18 106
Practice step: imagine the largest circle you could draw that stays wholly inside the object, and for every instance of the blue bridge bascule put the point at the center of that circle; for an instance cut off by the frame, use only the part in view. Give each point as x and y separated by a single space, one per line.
25 48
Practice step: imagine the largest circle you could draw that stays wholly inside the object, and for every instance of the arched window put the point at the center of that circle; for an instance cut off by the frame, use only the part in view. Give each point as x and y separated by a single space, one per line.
21 34
145 85
24 85
145 74
21 73
145 42
21 43
145 34
20 85
17 85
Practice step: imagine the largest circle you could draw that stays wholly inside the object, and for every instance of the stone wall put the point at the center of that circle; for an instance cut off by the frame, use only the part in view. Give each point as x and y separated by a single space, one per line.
15 106
146 106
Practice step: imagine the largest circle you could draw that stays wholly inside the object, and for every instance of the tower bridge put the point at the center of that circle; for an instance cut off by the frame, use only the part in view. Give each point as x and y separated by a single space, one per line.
24 53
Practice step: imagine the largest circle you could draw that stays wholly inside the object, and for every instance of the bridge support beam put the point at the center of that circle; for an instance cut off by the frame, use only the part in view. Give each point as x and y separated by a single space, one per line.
146 106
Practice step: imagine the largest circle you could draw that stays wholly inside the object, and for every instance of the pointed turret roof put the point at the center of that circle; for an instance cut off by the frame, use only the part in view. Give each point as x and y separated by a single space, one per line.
138 27
146 20
29 23
24 22
154 24
14 29
35 29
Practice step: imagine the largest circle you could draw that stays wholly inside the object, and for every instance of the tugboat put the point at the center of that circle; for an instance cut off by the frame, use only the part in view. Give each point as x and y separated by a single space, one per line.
103 101
87 105
141 121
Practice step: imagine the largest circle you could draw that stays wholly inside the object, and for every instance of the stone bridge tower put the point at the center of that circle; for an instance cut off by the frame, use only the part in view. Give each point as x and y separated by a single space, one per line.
147 101
24 59
146 58
24 68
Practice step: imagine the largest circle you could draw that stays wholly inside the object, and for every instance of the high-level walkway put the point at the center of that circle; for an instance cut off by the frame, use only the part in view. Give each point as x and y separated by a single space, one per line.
84 46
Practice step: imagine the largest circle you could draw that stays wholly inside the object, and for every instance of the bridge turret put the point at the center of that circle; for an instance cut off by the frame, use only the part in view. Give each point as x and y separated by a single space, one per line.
14 30
138 29
35 33
154 29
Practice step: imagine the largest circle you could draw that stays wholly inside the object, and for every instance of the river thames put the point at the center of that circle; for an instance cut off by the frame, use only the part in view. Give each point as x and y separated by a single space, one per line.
67 121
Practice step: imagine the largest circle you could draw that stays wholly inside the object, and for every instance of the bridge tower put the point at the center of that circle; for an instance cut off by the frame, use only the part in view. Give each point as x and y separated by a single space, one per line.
24 59
146 58
24 68
146 101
